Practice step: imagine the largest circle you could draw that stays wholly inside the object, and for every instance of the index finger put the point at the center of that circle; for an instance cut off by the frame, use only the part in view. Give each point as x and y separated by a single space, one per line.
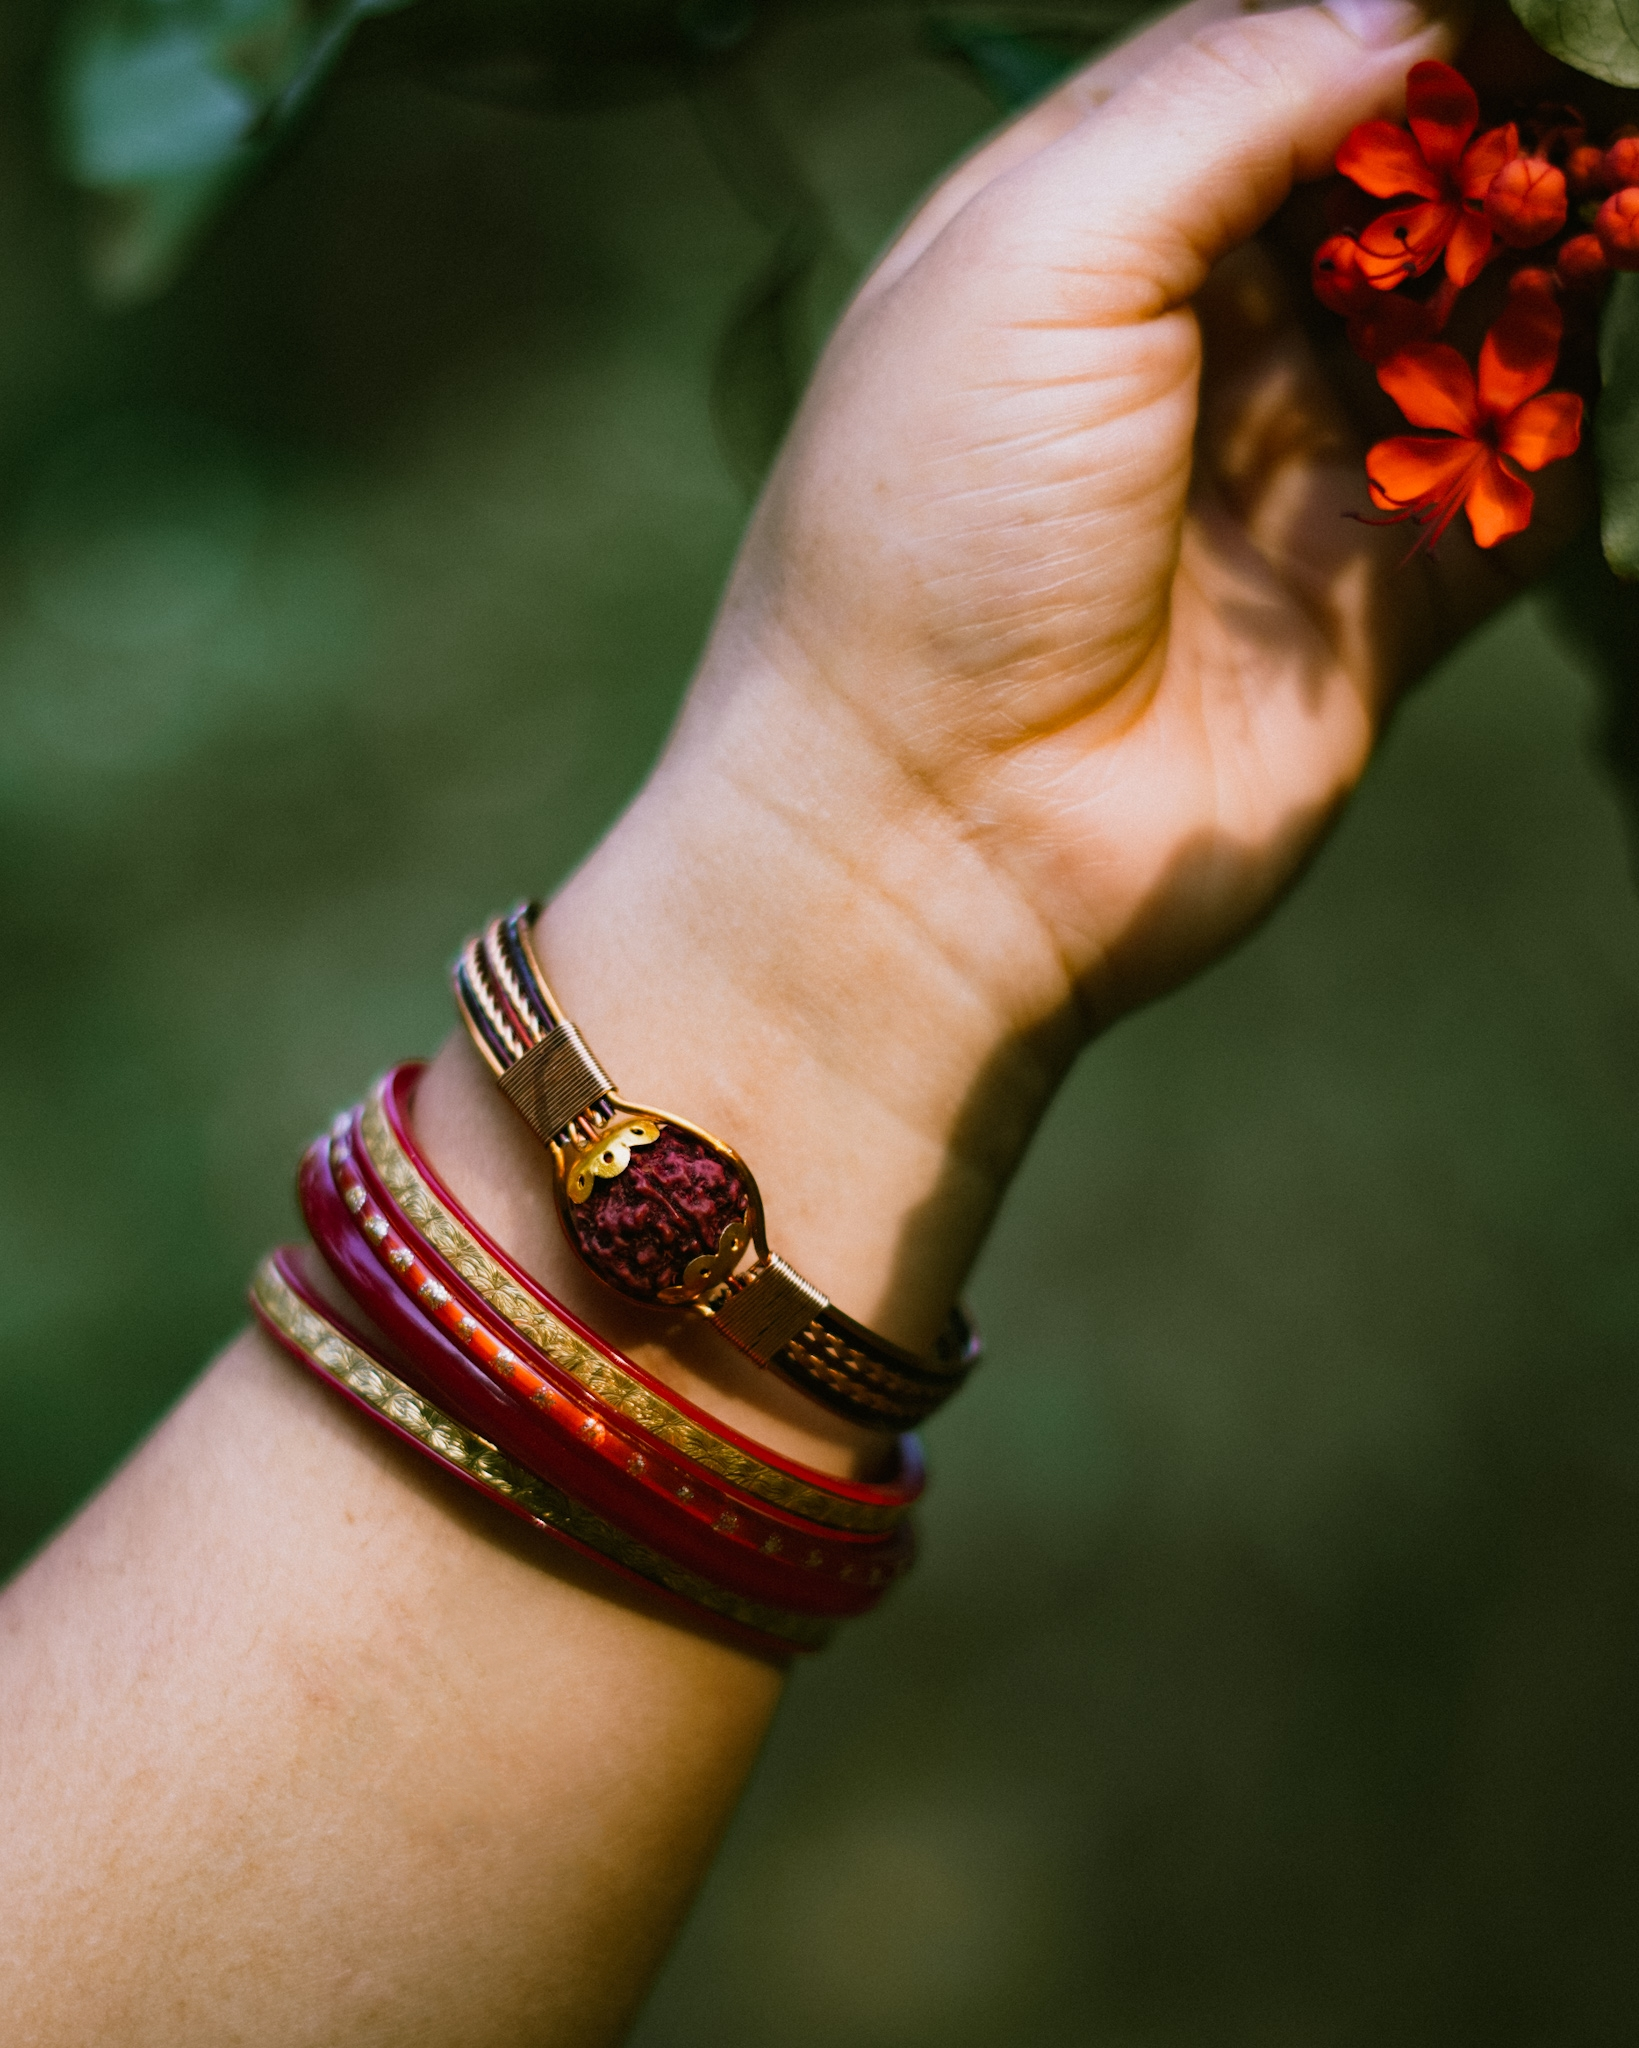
1070 104
1044 122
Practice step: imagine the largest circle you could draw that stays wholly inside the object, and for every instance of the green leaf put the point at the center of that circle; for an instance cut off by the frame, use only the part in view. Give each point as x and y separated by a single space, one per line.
1600 37
163 105
1015 68
1616 436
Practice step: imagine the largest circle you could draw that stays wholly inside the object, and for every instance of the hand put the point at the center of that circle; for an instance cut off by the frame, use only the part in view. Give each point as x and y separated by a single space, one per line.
1089 586
1050 653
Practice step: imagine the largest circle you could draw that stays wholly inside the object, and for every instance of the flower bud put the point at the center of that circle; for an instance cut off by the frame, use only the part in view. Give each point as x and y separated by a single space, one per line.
1621 165
1617 226
1526 202
1585 171
1582 261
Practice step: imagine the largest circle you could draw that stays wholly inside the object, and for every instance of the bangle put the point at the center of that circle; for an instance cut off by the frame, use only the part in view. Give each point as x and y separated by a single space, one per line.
665 1213
386 1146
294 1315
552 1426
532 1378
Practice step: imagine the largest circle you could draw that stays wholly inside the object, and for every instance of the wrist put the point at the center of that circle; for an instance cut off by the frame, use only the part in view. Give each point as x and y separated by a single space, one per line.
831 977
732 955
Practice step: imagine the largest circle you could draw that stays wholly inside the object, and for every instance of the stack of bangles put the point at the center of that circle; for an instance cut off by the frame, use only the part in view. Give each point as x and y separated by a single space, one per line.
467 1358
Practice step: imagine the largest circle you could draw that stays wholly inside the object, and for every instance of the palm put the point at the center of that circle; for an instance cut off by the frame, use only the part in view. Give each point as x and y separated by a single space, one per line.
1138 650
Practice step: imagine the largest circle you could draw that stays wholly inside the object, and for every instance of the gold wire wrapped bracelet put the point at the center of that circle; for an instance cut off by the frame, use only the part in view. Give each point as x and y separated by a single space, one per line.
670 1216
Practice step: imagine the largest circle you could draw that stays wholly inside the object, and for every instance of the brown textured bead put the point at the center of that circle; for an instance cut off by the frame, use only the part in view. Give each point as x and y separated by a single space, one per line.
672 1204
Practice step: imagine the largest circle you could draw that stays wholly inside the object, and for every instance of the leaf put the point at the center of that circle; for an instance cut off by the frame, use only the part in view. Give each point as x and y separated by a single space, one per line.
1014 68
163 105
1616 427
1600 37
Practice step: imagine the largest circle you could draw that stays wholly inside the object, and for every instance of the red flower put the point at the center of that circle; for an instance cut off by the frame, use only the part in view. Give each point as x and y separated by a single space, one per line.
1379 322
1491 430
1437 162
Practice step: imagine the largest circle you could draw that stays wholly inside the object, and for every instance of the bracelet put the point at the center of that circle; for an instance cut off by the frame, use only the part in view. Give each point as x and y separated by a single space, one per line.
297 1319
665 1213
437 1291
551 1426
387 1147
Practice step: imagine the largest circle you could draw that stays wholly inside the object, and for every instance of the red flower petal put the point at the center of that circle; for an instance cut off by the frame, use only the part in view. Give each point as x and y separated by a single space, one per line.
1484 158
1433 387
1442 110
1409 239
1385 161
1497 504
1336 275
1543 430
1517 357
1410 471
1469 249
1385 273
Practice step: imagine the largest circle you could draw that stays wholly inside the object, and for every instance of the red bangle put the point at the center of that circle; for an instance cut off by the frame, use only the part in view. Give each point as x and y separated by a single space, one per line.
304 1325
555 1428
388 1153
535 1379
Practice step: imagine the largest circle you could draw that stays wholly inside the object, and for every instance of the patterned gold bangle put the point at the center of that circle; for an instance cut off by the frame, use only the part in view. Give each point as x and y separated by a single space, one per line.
303 1329
669 1215
432 1210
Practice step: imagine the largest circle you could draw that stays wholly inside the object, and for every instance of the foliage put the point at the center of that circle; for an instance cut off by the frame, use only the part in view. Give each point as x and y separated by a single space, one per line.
1599 37
163 105
762 361
1013 69
1617 427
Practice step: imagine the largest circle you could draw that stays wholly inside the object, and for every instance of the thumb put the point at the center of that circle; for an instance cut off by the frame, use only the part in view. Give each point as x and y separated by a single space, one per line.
1122 217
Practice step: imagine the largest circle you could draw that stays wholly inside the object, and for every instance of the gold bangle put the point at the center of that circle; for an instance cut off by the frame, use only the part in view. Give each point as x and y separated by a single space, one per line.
327 1351
666 1213
432 1210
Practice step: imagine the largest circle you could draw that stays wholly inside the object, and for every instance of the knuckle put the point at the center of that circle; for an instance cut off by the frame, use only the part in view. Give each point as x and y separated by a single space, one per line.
1247 55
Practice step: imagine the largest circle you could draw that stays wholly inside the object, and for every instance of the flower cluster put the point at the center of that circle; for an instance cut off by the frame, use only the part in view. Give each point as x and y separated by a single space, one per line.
1465 199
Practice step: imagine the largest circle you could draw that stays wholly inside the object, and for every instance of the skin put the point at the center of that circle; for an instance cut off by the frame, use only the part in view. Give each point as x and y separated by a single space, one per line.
1047 659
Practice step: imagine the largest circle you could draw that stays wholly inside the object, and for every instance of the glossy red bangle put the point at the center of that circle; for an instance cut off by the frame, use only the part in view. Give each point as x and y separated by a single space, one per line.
869 1559
552 1426
302 1323
539 1379
387 1151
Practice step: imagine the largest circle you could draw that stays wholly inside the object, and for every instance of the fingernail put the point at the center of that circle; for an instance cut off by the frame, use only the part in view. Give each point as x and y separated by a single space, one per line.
1378 23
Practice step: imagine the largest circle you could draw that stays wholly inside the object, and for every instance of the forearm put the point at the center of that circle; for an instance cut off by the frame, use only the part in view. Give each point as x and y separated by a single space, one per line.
297 1747
994 726
319 1751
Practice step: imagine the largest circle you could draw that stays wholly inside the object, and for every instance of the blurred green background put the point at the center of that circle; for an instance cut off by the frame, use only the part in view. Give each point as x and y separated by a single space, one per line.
1271 1673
